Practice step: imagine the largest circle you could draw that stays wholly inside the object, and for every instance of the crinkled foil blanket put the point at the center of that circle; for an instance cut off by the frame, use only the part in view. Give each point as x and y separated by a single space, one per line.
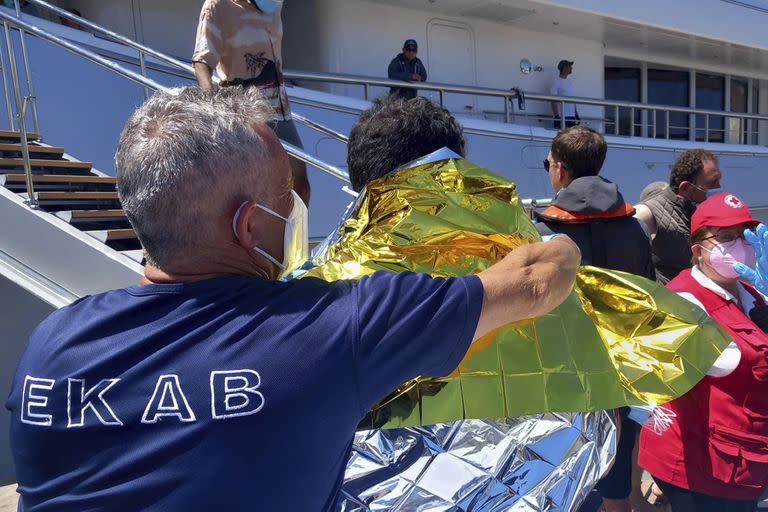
617 340
545 462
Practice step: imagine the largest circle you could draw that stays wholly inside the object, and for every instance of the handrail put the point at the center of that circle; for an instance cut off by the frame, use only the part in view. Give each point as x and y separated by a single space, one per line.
21 108
80 51
25 56
342 78
114 35
320 128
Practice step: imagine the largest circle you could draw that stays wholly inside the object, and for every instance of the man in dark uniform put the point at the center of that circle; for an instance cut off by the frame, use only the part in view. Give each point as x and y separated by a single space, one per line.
407 67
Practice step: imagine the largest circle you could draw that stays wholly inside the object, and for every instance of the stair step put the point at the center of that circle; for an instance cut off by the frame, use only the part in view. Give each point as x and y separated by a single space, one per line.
37 162
91 215
45 151
9 179
76 196
52 201
16 135
112 235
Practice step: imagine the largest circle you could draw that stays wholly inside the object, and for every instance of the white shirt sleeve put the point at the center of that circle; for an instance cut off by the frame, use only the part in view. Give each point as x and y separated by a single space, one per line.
729 358
553 90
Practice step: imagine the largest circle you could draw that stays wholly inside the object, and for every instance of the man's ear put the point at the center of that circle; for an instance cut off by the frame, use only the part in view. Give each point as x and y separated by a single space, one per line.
242 225
684 188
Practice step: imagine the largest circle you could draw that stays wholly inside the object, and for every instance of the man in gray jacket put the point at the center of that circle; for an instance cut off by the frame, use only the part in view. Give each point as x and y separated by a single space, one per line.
408 67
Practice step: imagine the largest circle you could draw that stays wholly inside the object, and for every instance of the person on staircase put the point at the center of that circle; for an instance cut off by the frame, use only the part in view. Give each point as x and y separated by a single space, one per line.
242 40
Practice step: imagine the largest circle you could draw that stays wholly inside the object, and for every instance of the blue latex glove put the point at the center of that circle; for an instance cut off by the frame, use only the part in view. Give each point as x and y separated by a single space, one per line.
758 276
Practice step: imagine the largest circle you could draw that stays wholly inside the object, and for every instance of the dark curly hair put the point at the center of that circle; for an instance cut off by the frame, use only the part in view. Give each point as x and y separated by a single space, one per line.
394 132
688 165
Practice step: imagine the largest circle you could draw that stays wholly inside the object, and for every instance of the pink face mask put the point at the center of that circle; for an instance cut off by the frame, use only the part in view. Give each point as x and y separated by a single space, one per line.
723 256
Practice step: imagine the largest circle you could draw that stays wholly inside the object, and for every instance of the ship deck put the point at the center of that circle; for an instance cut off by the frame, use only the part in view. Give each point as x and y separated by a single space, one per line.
8 498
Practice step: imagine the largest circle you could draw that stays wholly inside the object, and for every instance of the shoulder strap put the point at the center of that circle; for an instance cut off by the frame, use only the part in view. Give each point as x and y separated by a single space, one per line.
759 300
684 282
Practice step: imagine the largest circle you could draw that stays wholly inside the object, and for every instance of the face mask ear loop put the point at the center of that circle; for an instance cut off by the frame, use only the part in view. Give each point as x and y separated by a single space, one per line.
236 218
272 212
258 250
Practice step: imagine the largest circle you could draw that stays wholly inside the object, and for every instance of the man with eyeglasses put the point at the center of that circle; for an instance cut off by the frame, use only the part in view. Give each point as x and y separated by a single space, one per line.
593 213
667 214
408 67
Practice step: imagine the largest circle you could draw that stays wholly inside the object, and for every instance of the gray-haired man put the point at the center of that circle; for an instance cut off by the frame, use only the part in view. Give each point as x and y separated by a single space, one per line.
204 388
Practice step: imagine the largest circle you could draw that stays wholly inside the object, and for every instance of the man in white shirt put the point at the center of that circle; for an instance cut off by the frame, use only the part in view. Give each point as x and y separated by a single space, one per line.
561 86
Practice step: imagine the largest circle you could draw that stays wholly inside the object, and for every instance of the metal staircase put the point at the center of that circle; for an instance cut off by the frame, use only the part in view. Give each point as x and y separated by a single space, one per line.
68 189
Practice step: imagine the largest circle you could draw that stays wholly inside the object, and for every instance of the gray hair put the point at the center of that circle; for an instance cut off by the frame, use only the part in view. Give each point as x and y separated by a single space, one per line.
183 156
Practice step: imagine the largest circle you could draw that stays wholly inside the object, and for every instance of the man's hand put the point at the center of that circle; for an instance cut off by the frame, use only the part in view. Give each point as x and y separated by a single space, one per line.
416 77
529 282
758 276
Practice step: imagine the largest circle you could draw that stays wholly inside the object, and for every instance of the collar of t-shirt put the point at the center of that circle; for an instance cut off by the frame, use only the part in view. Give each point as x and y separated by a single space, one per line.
746 299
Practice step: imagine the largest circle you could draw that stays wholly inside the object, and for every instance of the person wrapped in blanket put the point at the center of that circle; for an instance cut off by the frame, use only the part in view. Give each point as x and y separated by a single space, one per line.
541 462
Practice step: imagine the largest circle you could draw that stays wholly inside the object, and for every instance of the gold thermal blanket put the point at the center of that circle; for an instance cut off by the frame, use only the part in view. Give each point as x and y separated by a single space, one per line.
617 340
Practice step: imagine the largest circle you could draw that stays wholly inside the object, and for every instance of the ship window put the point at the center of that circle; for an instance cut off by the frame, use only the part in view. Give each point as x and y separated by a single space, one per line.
738 128
669 87
623 84
710 95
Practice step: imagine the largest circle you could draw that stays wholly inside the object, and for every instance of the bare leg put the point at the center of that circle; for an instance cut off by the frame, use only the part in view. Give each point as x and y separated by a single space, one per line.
300 179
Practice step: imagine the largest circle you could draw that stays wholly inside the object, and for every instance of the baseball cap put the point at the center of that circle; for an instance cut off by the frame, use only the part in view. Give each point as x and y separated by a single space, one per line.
563 63
410 42
720 211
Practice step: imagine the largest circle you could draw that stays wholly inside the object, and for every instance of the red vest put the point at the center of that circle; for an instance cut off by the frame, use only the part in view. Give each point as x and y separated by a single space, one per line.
718 443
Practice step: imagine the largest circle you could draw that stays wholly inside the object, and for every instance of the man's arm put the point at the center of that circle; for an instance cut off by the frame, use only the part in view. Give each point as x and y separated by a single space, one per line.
553 92
422 71
208 45
646 218
529 282
203 74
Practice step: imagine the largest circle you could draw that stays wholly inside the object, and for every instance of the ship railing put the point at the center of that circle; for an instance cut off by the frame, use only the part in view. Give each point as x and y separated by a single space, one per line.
657 124
620 117
185 70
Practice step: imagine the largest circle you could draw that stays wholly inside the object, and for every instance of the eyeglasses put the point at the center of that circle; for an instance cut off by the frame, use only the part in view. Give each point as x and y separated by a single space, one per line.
411 49
725 237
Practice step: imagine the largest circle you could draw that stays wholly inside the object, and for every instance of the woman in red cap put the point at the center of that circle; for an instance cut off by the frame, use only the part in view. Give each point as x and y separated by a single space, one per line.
714 457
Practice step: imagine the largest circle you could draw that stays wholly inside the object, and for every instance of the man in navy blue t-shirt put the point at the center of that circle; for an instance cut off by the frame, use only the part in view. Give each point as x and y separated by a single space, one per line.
213 386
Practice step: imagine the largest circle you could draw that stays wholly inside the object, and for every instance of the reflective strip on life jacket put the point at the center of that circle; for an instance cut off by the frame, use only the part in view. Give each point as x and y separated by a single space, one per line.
555 213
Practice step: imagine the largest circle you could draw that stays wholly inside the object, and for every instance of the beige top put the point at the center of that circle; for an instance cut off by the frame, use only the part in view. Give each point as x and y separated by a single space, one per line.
241 42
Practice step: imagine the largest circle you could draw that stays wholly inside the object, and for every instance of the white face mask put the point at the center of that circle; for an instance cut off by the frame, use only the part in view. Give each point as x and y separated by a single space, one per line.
295 237
267 6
